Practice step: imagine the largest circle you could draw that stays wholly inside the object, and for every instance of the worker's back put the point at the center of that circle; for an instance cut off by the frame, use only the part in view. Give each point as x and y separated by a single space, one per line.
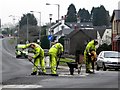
56 48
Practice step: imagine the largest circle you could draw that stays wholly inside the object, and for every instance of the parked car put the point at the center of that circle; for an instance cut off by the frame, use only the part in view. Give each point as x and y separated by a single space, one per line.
108 60
21 52
1 36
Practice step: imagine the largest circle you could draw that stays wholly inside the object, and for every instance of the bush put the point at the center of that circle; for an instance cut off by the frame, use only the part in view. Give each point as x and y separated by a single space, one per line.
104 47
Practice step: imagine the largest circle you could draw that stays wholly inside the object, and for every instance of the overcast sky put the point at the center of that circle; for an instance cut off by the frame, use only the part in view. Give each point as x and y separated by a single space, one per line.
19 7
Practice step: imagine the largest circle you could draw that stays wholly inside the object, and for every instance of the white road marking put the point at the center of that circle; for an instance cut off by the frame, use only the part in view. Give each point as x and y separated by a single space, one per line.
82 75
0 87
21 86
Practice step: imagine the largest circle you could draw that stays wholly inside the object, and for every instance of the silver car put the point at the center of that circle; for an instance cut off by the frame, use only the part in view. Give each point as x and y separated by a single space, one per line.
108 60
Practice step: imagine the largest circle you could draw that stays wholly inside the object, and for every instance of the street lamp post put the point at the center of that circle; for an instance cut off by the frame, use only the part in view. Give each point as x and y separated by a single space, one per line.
39 26
27 30
18 27
58 11
13 17
18 30
50 17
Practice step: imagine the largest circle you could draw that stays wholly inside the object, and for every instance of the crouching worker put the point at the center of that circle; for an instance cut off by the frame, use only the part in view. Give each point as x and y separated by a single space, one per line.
38 57
54 52
87 54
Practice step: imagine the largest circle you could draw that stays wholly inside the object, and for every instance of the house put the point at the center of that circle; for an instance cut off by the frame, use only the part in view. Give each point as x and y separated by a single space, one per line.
103 34
77 35
78 39
115 20
61 28
106 38
79 25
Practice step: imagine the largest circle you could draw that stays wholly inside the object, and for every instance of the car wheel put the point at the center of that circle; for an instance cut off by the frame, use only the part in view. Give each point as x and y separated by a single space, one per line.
26 56
17 56
104 67
97 67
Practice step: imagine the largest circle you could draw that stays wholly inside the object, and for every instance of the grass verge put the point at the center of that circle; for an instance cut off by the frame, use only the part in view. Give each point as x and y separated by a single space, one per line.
12 41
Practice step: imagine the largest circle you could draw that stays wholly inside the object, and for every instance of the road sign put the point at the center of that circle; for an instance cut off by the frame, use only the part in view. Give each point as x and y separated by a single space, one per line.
50 37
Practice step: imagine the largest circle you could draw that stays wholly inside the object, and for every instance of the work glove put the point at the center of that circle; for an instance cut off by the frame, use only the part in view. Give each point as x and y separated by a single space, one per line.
30 58
89 54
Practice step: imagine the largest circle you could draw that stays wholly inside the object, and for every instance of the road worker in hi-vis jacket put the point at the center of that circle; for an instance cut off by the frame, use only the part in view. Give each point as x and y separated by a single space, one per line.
38 57
54 53
87 53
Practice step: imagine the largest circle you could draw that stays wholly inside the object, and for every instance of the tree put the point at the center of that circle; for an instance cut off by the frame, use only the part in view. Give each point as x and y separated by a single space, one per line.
99 16
45 43
61 40
28 22
71 14
84 15
33 34
28 18
43 30
7 31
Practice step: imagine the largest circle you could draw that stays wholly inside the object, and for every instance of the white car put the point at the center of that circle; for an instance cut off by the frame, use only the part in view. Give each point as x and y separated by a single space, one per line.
108 60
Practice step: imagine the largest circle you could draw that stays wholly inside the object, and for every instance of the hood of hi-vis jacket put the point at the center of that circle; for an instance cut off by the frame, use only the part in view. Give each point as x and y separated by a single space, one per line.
56 49
90 46
38 51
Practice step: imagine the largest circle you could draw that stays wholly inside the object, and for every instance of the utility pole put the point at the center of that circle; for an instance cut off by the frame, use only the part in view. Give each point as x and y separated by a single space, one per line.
58 11
39 26
27 29
50 17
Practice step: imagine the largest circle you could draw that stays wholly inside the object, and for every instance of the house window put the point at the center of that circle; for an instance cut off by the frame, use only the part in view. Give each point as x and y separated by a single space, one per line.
81 24
88 25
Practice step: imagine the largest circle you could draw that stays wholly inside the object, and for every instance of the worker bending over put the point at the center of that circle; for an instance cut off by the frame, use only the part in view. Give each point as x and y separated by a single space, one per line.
54 52
38 57
87 53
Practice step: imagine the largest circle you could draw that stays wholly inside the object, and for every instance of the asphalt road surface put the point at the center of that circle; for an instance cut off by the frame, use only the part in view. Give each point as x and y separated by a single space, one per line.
16 74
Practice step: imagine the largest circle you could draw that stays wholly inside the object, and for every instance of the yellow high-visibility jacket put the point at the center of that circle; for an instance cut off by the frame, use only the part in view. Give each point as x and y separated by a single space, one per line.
56 49
38 51
17 52
90 46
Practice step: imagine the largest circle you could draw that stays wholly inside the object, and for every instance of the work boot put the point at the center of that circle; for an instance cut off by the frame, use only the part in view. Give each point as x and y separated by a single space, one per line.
54 75
88 71
41 73
33 73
